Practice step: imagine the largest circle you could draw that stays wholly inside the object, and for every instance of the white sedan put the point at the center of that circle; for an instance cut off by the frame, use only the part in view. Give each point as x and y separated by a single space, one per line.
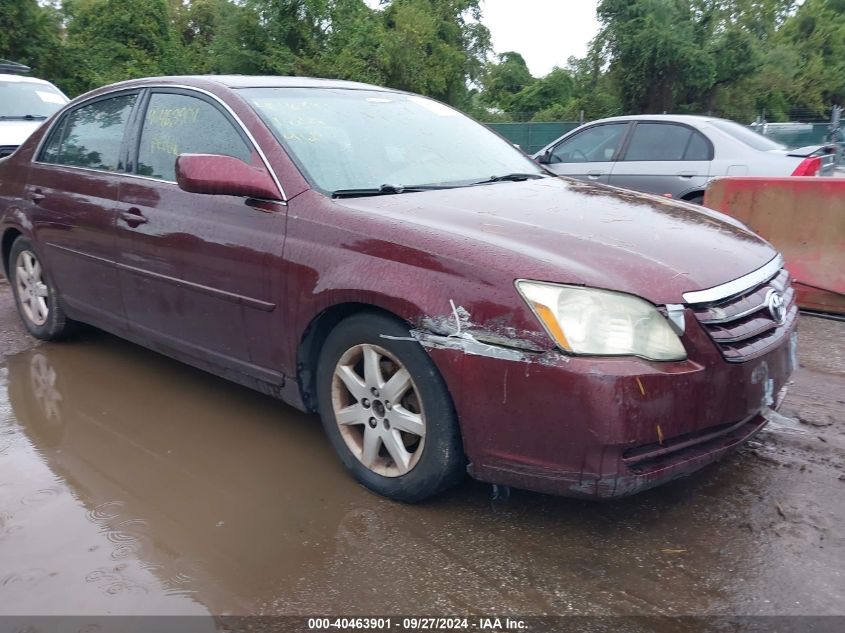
676 155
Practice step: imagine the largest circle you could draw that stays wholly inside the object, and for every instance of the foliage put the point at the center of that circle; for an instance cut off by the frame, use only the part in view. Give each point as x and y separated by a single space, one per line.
112 40
503 80
29 34
731 57
656 58
817 35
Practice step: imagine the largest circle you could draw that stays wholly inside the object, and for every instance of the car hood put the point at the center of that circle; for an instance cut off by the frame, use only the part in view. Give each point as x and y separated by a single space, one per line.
567 231
16 132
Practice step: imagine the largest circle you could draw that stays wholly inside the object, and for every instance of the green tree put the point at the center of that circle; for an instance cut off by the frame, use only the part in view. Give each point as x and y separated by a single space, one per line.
552 91
353 46
817 33
503 80
593 92
654 55
434 47
197 26
113 40
30 34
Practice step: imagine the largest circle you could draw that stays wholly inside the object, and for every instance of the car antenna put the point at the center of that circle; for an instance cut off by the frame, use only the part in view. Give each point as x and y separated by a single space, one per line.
7 66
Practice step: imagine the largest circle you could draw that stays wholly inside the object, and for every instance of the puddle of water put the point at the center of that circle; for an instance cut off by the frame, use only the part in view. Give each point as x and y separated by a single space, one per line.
130 483
131 478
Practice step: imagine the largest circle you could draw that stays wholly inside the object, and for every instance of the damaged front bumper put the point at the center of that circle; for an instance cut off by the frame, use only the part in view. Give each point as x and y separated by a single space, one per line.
638 471
606 427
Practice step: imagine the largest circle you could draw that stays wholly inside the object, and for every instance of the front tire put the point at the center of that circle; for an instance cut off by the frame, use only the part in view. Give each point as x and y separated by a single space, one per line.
35 296
387 411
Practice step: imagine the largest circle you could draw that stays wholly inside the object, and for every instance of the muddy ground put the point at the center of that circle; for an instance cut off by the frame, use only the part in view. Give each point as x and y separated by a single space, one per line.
132 484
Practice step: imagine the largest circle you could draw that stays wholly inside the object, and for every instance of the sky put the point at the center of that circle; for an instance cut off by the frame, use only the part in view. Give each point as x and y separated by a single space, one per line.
545 32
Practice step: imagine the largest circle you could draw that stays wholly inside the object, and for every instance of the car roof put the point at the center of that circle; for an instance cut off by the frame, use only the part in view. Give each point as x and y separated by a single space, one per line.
252 81
691 119
24 79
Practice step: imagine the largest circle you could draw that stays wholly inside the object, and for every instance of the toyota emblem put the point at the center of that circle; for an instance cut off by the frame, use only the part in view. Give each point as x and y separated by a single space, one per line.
774 302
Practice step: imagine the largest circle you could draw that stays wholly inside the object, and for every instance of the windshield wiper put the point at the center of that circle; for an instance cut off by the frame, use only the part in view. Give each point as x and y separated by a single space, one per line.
516 177
382 191
23 117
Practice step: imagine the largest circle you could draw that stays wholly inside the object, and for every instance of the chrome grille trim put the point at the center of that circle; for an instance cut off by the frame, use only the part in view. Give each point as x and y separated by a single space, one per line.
741 326
734 317
737 286
783 288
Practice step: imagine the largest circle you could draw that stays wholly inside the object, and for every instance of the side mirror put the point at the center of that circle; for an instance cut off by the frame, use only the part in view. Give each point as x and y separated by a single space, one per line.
224 176
545 158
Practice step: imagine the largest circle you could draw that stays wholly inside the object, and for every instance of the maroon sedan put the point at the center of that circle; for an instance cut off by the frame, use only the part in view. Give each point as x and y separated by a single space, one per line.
444 303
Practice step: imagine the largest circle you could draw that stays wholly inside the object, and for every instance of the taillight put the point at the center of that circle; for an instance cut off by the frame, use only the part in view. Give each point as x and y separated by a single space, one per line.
809 167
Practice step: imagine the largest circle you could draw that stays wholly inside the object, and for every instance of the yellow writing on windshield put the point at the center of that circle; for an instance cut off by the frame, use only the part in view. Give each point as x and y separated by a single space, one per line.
165 144
172 117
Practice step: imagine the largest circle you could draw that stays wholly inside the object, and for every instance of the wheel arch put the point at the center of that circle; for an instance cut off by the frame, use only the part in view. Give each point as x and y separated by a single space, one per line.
9 236
312 339
693 194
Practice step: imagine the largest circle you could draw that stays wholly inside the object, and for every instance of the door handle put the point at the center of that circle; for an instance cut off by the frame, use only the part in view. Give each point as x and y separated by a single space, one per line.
133 217
594 175
687 174
37 196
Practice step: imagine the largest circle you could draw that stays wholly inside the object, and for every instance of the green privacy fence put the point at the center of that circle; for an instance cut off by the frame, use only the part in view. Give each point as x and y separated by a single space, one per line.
796 135
532 137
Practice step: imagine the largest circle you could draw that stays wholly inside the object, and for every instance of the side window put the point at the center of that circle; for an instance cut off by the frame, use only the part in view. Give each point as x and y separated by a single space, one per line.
50 149
91 136
665 141
597 144
698 148
179 124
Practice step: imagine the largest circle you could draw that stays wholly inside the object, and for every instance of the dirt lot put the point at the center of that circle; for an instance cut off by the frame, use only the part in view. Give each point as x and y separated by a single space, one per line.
131 484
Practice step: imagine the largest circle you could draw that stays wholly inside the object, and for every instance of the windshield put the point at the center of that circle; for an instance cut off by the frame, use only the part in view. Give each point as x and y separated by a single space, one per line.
744 135
363 139
20 99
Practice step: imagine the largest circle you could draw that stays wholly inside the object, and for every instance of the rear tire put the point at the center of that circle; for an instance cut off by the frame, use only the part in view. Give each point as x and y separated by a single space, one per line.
35 296
699 200
386 410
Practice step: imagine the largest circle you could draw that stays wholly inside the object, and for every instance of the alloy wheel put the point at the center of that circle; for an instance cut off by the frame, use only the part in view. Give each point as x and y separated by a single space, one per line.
378 410
31 288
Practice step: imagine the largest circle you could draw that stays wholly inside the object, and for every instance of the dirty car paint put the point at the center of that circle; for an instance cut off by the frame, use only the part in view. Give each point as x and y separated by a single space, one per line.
445 262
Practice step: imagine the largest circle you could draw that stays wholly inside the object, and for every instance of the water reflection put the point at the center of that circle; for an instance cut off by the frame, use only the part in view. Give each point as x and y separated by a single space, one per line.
130 483
212 487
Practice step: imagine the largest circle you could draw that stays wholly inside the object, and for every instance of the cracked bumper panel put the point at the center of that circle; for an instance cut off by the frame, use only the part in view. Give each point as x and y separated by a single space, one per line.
608 427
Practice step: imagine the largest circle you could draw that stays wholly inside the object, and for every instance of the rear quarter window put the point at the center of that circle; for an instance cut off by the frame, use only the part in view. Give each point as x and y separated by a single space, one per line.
747 137
91 136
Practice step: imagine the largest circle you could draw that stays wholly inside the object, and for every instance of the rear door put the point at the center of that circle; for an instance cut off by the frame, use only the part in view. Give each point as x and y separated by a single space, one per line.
588 154
664 158
73 191
200 273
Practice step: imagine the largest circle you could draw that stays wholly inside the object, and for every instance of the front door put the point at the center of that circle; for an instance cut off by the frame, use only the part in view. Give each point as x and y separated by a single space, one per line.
200 273
589 153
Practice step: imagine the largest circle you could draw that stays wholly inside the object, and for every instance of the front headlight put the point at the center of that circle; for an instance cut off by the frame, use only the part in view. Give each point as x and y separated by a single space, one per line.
601 322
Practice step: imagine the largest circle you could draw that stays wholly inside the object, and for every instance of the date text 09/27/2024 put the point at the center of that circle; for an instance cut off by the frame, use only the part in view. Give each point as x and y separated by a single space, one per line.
417 624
